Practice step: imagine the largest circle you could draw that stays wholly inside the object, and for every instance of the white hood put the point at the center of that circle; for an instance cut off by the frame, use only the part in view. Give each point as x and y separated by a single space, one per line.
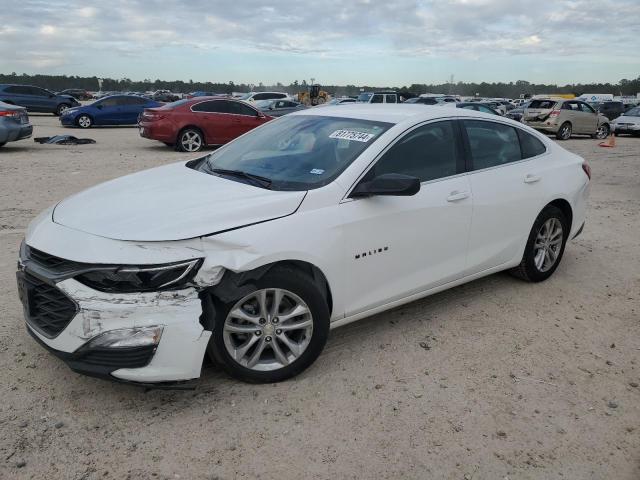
172 202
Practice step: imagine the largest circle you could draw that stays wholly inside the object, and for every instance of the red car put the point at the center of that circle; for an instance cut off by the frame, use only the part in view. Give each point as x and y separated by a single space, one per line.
191 124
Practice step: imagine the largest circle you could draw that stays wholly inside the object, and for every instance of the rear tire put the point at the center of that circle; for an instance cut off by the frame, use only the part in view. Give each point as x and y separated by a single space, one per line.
296 290
545 246
190 140
564 132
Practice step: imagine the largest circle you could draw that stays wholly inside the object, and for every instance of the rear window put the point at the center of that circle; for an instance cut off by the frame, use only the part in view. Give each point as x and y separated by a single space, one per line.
542 104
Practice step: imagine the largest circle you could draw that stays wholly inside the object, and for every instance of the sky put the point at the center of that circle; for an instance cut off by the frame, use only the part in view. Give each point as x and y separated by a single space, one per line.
360 42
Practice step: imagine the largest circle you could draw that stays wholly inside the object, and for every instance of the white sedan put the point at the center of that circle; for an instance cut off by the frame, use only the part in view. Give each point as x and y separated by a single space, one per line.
314 220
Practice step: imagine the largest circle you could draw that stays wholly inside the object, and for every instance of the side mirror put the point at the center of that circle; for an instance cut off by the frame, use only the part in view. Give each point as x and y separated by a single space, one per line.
99 107
390 184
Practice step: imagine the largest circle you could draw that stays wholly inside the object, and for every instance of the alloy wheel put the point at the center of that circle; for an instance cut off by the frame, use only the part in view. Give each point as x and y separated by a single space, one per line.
602 132
548 244
84 121
191 141
565 133
268 329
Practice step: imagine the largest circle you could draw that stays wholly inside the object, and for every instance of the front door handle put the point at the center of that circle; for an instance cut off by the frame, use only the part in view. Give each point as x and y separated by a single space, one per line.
531 178
456 196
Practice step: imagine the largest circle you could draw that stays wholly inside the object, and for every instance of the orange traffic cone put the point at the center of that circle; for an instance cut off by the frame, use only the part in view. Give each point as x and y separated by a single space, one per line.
609 142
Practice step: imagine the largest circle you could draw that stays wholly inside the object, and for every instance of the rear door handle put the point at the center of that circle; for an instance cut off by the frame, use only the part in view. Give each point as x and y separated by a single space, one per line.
531 178
456 196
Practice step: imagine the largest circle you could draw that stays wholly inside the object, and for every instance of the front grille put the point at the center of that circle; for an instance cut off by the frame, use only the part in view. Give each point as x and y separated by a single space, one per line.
47 309
133 357
51 262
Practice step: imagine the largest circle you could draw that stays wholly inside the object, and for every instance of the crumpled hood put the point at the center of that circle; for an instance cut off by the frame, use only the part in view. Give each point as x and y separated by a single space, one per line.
172 202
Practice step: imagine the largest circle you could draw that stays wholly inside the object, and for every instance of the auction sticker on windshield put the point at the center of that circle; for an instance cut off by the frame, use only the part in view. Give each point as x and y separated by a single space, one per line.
352 135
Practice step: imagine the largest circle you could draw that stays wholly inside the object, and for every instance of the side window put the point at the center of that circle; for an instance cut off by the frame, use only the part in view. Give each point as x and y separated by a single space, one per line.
377 98
530 145
491 143
428 152
215 106
483 109
241 109
261 96
571 106
390 99
39 92
280 95
17 90
587 108
109 102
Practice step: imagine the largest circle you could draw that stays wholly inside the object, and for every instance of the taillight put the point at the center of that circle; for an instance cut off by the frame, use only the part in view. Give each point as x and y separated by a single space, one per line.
10 113
554 113
587 169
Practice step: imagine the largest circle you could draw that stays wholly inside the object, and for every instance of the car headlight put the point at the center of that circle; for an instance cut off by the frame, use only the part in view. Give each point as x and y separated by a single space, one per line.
143 278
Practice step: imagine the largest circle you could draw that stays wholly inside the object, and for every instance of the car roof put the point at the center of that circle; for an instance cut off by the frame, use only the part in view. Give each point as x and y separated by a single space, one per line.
392 113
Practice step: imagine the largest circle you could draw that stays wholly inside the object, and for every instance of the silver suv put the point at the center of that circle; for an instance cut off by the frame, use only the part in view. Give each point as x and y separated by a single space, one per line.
564 117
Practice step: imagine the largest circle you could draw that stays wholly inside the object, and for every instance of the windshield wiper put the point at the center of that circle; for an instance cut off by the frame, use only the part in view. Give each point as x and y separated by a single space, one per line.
263 182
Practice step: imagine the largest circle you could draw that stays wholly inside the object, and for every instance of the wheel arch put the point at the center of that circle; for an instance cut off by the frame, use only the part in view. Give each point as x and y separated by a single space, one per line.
565 208
234 284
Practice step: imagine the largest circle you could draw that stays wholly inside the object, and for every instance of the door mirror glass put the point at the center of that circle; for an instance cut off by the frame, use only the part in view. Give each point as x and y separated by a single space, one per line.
391 184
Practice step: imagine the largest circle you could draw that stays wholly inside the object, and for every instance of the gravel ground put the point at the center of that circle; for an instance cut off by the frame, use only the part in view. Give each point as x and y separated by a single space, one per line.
496 379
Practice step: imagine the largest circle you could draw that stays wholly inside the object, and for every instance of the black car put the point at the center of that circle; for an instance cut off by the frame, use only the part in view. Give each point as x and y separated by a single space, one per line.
77 93
611 110
36 99
164 96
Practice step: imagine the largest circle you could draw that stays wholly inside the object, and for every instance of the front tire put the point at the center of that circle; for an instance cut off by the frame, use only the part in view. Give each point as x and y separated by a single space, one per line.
564 132
190 140
274 332
545 246
84 121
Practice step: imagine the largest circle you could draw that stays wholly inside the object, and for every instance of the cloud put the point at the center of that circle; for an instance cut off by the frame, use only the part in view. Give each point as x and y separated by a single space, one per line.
54 34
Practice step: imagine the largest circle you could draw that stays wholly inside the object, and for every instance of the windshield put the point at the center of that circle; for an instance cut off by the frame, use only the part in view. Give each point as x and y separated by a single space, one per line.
299 152
246 96
634 112
364 97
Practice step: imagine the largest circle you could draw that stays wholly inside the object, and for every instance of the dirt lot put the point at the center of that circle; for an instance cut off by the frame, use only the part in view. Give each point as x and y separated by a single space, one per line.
495 379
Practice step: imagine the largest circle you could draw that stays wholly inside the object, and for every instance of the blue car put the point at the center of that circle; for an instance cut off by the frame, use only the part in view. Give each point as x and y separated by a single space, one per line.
36 99
112 110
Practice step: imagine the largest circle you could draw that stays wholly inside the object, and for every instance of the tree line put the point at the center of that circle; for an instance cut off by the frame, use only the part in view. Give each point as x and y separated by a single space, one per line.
484 89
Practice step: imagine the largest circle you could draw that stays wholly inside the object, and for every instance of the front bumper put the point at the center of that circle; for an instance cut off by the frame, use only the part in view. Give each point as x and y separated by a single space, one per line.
626 127
67 328
68 120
